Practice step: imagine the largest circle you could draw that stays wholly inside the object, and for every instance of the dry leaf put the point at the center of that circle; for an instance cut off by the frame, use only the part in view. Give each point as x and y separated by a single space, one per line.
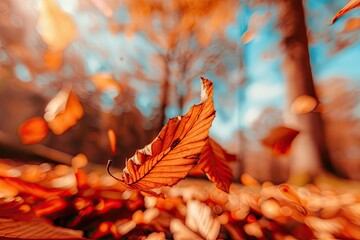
303 104
79 161
181 232
176 149
351 5
214 162
280 139
63 112
35 229
56 27
293 197
33 130
199 218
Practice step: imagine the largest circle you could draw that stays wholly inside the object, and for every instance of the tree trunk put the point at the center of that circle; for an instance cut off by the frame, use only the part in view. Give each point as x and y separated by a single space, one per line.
165 87
309 153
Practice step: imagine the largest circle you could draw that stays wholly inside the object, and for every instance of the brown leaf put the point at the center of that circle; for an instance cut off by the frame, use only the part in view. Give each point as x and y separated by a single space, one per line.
214 162
35 229
33 130
351 5
63 112
280 139
176 149
56 27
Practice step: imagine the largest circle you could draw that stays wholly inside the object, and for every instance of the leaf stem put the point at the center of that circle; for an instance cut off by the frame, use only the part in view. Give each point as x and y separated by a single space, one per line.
108 165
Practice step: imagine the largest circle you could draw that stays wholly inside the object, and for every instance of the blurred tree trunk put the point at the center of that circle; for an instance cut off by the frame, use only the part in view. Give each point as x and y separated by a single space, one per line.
309 154
165 89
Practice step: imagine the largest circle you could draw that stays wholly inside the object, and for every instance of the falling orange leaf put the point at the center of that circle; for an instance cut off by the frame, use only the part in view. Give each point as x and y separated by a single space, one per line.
280 139
176 149
351 5
53 60
63 112
56 28
112 140
303 104
104 81
214 163
33 130
351 25
293 197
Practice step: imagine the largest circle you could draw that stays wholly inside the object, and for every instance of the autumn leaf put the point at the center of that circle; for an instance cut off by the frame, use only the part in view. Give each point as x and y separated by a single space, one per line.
33 130
35 229
200 219
176 149
303 104
56 28
280 139
214 163
63 111
351 5
112 141
290 194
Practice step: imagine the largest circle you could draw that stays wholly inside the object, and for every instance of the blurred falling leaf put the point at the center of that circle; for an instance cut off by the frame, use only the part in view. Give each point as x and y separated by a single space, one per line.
248 36
293 197
35 229
280 139
351 25
63 112
303 104
214 162
112 141
199 218
53 60
351 5
176 149
56 27
33 130
104 81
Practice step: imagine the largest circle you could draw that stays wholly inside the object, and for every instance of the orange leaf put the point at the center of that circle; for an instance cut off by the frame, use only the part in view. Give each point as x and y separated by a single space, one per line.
53 60
213 162
112 140
351 5
304 104
104 81
35 229
33 130
36 190
56 28
351 25
176 149
63 112
293 197
280 139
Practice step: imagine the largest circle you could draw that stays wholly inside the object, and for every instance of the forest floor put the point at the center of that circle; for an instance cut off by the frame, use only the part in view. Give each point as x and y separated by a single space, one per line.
43 201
